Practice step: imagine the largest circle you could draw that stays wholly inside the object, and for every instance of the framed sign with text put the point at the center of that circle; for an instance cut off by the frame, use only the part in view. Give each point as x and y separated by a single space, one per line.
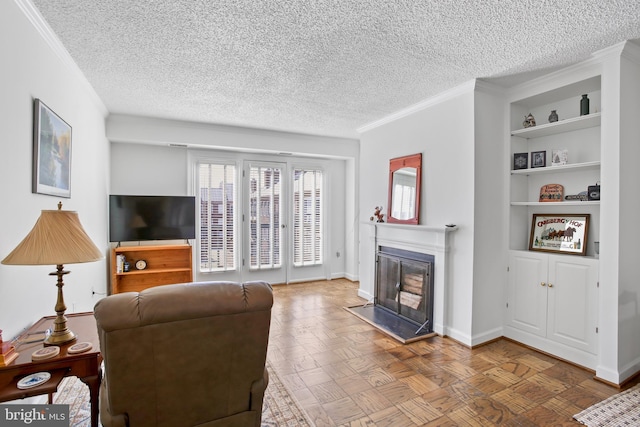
560 233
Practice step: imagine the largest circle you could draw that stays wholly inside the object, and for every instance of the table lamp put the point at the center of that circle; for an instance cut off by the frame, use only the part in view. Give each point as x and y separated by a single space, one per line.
57 238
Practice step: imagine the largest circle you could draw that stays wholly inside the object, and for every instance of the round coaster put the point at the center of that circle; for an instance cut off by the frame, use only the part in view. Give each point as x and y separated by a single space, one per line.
34 380
45 353
81 347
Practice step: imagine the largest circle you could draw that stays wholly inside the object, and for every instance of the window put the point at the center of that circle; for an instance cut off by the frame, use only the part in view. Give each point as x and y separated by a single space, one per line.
265 200
217 199
403 201
307 220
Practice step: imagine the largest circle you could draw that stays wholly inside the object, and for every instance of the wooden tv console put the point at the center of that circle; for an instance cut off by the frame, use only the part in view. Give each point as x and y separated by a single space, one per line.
166 264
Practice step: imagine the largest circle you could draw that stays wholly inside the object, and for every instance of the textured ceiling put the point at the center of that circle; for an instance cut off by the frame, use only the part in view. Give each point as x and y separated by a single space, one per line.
319 66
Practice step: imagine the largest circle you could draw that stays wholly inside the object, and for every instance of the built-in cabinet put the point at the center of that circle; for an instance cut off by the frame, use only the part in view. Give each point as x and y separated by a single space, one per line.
552 304
161 265
552 300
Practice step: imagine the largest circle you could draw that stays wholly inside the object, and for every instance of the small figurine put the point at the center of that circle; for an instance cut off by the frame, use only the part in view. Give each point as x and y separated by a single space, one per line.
529 121
378 216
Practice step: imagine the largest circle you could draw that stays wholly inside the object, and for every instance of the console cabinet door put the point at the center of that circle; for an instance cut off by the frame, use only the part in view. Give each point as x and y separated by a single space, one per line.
572 302
527 295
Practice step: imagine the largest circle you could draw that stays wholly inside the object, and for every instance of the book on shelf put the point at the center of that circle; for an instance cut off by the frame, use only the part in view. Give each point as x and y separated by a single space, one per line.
120 259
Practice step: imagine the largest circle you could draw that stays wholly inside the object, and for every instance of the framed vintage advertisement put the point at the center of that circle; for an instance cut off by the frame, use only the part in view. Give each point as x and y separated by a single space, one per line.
560 233
51 152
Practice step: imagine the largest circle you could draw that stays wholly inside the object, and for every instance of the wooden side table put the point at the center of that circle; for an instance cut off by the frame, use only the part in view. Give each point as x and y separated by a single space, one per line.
86 366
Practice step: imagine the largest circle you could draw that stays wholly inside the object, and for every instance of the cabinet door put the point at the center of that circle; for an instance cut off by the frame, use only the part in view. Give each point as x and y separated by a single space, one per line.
572 299
527 294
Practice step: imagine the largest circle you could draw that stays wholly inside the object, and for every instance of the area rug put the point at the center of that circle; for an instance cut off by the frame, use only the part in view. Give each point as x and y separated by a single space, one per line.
278 409
623 409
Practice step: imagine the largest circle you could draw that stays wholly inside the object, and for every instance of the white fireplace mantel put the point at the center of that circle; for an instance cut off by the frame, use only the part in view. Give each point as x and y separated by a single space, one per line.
425 239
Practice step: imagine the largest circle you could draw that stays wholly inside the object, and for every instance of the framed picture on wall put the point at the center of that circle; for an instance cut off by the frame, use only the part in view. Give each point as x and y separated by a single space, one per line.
538 159
560 233
51 152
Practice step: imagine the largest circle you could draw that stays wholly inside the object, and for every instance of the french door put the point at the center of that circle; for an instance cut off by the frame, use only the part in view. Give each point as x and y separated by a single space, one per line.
265 254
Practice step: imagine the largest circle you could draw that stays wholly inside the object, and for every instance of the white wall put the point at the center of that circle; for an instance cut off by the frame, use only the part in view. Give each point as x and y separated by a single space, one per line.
443 132
144 163
32 68
629 285
619 293
148 170
490 233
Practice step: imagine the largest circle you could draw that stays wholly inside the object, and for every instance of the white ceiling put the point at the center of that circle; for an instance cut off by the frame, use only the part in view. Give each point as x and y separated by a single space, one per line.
322 67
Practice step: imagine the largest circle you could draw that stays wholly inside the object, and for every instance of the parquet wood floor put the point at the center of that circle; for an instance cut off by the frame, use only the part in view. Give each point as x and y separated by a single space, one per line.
344 372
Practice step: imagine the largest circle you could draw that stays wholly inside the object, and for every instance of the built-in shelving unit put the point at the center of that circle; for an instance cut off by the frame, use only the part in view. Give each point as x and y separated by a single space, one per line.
552 296
578 134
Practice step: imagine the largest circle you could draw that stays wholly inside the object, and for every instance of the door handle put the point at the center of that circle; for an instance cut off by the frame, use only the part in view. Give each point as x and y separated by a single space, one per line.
550 285
543 284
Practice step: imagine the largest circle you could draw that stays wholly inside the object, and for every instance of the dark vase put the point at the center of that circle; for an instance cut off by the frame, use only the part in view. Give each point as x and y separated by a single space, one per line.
584 105
553 117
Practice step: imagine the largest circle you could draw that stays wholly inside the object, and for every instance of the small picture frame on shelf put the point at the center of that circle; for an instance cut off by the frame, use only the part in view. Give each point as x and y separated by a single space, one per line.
559 233
559 157
520 161
538 159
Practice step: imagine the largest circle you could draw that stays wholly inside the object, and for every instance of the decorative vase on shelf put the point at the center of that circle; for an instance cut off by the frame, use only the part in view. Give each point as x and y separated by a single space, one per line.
553 117
584 105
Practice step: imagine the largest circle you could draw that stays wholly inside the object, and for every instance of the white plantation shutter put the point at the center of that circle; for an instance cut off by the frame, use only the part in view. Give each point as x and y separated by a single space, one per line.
265 187
217 201
307 220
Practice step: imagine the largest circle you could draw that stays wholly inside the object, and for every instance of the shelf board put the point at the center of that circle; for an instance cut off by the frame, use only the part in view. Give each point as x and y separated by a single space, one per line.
568 125
121 249
563 203
153 271
556 169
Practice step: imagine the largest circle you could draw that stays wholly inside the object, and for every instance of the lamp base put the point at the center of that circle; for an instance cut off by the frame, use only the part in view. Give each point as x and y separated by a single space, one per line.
60 337
61 334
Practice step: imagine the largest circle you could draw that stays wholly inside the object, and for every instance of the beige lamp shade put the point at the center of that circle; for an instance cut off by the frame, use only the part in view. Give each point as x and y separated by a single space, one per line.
56 238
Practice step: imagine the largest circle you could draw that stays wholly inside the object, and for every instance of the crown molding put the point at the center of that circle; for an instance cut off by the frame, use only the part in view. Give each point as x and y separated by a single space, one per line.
47 34
422 105
490 88
613 50
631 52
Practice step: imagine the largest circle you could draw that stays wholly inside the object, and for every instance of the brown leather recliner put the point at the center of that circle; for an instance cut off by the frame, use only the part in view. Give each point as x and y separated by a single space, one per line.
185 355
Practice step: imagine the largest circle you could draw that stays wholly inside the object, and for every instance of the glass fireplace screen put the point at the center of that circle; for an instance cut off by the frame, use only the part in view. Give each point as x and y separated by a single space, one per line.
404 284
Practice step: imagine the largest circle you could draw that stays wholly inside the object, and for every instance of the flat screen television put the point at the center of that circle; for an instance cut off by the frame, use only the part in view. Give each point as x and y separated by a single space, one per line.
139 218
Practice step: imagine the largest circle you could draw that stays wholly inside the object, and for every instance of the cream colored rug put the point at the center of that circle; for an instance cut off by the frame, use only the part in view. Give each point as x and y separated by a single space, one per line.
279 407
623 409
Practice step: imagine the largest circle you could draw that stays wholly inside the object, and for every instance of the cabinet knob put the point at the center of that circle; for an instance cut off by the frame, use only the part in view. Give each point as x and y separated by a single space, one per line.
543 284
550 285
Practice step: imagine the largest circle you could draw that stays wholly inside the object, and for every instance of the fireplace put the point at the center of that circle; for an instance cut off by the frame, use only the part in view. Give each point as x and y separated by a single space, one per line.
404 286
408 244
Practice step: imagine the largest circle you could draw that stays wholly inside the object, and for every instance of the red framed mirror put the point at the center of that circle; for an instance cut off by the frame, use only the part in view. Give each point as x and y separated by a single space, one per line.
405 176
